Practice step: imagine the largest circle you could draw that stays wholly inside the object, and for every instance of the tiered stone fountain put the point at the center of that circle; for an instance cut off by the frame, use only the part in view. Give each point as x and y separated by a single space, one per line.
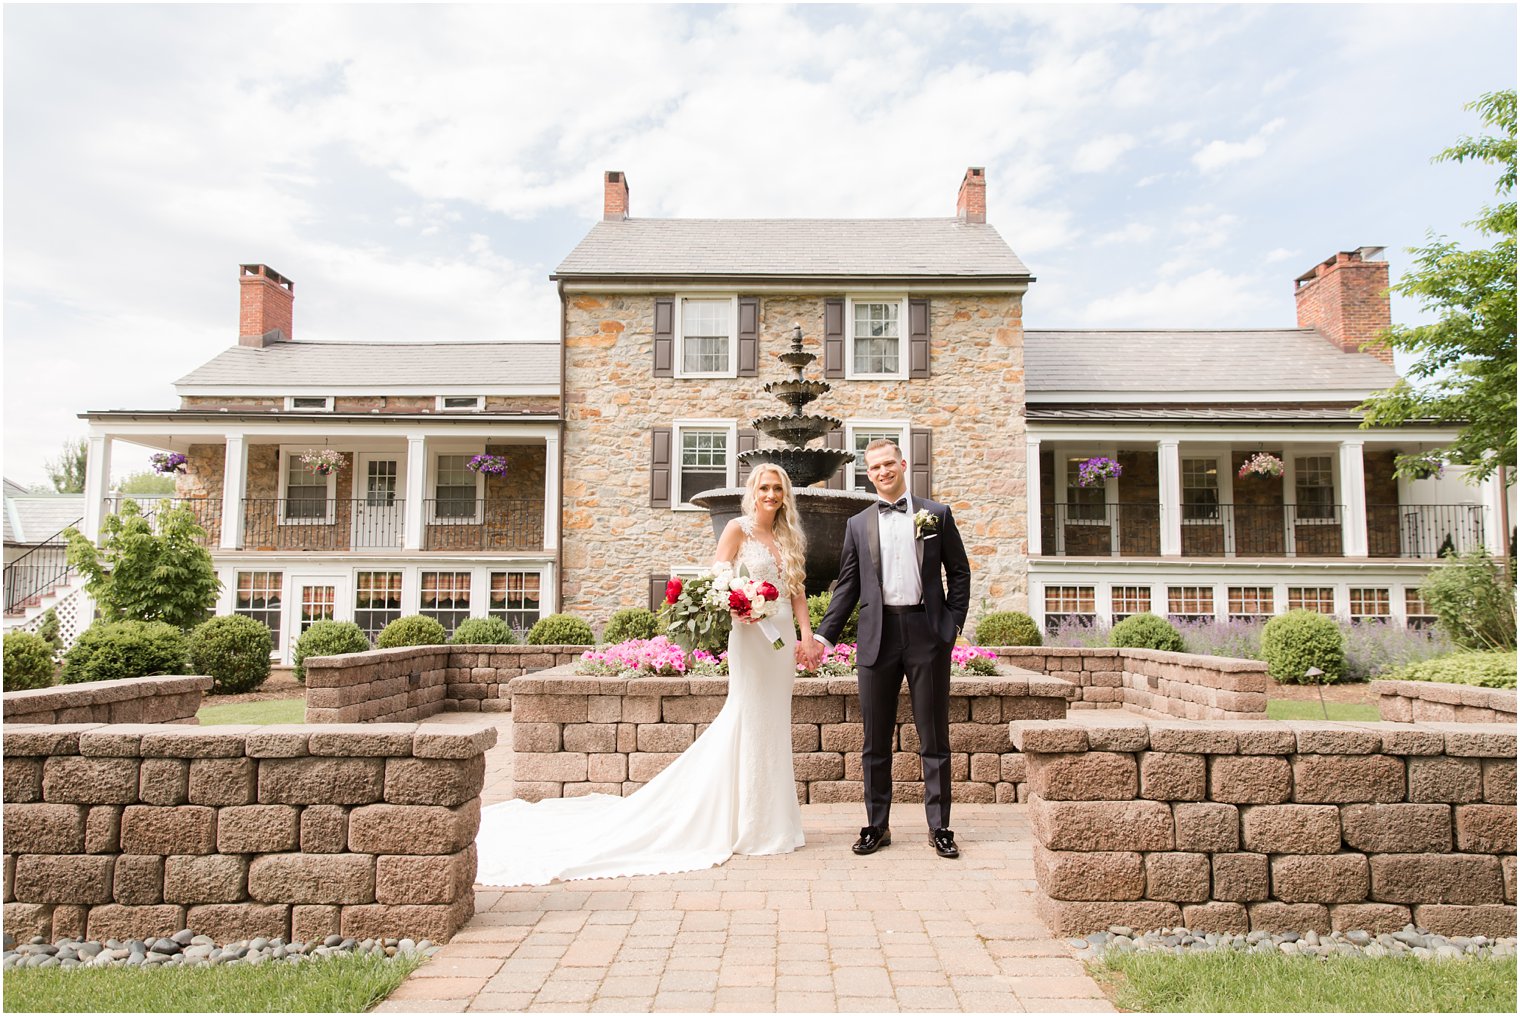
824 512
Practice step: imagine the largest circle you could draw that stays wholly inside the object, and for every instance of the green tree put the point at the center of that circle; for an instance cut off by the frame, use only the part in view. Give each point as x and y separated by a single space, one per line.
1464 371
137 574
147 482
66 472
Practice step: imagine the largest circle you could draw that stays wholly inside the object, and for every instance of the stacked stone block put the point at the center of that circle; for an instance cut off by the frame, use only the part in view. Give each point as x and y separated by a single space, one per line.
1434 702
575 735
1232 826
125 831
129 700
1153 683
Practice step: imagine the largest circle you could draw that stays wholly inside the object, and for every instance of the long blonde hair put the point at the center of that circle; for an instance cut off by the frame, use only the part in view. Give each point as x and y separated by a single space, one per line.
787 527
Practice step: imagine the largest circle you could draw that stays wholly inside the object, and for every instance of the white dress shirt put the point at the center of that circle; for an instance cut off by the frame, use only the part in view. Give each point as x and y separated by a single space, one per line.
901 585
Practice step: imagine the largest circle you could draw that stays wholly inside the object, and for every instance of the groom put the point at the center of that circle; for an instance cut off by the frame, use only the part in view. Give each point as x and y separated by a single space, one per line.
891 564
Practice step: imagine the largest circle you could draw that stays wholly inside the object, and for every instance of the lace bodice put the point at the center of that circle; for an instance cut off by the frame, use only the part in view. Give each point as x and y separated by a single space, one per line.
756 557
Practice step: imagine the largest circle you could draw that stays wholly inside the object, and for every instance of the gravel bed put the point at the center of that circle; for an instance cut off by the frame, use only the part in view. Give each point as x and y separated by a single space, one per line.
1413 942
187 949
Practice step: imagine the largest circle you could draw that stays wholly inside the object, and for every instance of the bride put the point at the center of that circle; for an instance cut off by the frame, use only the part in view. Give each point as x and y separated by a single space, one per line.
733 791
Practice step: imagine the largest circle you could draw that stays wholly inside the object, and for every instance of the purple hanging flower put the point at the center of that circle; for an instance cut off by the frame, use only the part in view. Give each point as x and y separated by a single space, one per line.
169 462
1093 472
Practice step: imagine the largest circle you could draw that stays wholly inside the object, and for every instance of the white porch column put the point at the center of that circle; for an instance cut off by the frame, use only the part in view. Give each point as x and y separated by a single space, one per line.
1493 494
1354 493
551 492
1032 494
1169 477
416 490
234 487
97 484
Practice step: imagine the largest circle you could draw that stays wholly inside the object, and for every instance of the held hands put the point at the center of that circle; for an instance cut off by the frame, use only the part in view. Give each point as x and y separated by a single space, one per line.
809 654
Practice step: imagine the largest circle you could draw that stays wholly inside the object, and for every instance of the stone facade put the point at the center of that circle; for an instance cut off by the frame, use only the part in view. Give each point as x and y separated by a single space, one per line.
124 831
127 700
613 540
1234 827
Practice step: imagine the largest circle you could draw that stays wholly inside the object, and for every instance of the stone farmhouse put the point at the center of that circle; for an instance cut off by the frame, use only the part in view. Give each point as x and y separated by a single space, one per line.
670 328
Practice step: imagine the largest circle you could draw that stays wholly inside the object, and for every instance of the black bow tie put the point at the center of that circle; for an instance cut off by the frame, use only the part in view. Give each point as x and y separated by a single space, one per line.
900 505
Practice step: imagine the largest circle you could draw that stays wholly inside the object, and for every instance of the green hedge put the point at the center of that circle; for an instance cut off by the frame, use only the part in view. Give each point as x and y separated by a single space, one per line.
1485 670
1007 628
28 661
412 630
1292 643
107 652
234 651
633 623
818 605
328 638
1146 631
484 631
561 630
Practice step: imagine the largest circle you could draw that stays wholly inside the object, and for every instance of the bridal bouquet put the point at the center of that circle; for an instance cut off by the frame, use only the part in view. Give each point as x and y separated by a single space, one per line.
750 601
700 610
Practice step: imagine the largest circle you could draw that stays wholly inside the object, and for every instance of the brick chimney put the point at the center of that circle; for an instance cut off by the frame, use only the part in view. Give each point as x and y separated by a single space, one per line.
971 202
615 202
266 305
1345 298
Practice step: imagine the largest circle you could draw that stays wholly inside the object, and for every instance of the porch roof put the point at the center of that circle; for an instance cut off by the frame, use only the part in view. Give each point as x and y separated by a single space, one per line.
33 518
382 366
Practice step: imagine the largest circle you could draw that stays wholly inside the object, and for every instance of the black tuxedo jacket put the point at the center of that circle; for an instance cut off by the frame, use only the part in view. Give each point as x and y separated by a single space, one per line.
942 567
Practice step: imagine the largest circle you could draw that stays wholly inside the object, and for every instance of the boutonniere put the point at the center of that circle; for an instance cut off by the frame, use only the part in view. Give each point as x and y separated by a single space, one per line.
925 524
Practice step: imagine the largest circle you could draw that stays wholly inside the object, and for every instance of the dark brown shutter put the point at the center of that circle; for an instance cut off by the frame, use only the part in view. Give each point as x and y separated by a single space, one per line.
833 338
749 336
664 336
749 440
922 466
835 439
657 590
659 468
918 338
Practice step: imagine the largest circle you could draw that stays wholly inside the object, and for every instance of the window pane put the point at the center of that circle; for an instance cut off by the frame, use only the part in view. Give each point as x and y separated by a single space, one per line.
1129 600
1250 601
704 461
876 338
1314 487
1316 598
1200 489
305 494
377 600
446 598
258 597
704 336
1190 601
515 598
455 488
317 604
1370 603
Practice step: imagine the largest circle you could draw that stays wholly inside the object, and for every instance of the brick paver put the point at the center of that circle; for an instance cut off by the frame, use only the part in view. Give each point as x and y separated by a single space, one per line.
818 930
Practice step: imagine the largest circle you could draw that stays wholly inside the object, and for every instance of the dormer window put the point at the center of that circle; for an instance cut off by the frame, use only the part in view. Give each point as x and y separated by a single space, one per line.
461 403
310 403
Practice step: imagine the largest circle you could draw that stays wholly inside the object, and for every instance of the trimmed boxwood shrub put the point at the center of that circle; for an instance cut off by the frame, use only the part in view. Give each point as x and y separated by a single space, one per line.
412 630
1291 643
633 623
561 630
28 661
1146 631
1485 670
484 631
233 651
328 638
1007 628
106 652
818 605
49 631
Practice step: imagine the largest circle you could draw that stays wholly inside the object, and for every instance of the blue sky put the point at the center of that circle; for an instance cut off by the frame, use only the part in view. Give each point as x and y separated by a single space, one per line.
419 171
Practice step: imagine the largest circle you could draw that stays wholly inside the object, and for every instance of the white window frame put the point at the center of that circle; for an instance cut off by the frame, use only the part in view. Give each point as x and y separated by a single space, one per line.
857 469
479 403
484 604
1221 466
326 407
431 487
678 355
290 456
677 428
1290 477
903 326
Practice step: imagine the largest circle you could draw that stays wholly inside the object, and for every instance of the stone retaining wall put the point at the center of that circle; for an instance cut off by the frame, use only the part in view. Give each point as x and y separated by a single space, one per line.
1433 702
575 735
125 831
1153 683
1272 826
413 683
129 700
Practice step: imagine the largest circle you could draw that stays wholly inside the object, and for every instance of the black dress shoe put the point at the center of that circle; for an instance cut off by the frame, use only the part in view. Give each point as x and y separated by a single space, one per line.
872 839
944 843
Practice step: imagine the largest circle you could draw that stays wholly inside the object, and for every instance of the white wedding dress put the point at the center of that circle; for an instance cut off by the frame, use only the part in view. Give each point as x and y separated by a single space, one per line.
732 792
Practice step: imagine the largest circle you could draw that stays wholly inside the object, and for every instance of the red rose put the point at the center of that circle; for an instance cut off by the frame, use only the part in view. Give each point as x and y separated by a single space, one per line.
768 591
738 602
672 590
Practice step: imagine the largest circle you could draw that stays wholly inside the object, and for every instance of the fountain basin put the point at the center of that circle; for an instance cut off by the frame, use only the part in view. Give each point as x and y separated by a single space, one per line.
824 514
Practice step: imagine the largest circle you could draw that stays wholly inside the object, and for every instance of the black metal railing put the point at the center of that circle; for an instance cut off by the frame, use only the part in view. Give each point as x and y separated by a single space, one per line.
1125 529
1119 529
1423 530
38 572
500 524
280 523
207 511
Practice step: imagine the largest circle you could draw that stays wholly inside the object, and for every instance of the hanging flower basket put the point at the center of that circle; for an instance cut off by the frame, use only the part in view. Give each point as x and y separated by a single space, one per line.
491 465
1095 471
169 462
1424 467
323 461
1261 464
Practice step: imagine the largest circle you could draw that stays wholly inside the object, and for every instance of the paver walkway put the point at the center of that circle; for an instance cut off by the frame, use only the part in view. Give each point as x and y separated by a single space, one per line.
818 930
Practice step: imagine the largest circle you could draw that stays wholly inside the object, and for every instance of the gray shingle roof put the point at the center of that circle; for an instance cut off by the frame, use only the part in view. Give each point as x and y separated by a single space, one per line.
32 518
1264 360
792 248
1199 414
381 365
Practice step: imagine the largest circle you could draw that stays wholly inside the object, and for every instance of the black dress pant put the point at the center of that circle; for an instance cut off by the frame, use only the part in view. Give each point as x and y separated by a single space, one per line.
908 649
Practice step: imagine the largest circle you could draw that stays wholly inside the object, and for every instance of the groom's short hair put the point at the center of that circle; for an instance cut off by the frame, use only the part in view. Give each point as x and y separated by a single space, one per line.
883 442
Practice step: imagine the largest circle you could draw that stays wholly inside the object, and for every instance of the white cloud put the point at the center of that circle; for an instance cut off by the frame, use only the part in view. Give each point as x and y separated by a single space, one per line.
1210 298
1218 154
1100 154
1277 254
1130 232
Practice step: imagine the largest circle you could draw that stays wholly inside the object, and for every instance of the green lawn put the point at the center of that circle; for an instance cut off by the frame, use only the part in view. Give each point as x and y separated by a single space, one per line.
1232 982
340 984
1309 709
276 711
